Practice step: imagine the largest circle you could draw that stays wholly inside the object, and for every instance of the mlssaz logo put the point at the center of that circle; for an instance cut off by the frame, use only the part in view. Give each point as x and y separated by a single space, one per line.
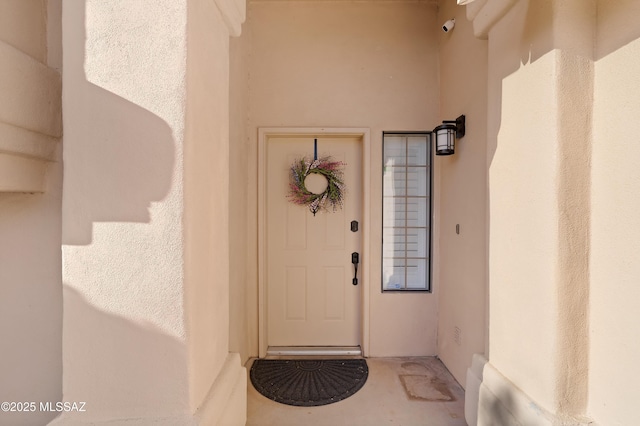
65 406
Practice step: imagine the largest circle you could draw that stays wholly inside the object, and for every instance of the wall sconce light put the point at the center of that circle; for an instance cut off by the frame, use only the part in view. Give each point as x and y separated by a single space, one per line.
447 133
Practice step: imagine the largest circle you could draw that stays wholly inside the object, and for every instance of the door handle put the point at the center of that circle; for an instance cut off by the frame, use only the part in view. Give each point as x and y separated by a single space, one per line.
355 259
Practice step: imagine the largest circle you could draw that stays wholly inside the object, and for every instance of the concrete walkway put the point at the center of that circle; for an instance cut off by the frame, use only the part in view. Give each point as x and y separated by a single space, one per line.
398 392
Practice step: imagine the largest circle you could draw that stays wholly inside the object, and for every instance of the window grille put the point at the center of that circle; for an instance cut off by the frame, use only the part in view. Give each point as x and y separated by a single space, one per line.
406 212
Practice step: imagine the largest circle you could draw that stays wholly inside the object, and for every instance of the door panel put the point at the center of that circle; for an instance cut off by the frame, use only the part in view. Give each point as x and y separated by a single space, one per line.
311 300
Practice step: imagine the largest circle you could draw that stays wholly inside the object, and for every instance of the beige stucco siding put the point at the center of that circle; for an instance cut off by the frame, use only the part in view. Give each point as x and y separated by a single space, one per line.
614 374
334 64
461 197
30 222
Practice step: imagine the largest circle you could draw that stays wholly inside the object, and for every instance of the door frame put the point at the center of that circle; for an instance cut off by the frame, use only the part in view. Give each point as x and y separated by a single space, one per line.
264 133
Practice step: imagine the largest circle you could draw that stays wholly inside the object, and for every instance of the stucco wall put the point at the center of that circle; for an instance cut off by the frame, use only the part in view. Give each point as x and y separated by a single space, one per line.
243 337
206 191
461 194
349 64
30 228
522 179
206 214
124 340
539 137
145 217
614 374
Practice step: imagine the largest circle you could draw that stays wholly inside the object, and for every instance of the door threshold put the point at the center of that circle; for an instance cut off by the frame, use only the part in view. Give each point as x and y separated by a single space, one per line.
314 351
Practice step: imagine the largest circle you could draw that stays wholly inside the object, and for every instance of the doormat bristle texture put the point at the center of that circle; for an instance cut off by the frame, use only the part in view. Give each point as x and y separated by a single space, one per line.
308 383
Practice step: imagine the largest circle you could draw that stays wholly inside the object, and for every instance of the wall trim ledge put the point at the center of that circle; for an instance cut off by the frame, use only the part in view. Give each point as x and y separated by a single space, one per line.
20 173
30 120
31 92
24 159
26 143
502 402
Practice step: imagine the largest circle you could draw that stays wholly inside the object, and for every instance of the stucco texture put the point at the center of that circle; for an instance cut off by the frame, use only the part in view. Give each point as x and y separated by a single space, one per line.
30 222
539 200
562 213
124 348
344 64
461 197
614 374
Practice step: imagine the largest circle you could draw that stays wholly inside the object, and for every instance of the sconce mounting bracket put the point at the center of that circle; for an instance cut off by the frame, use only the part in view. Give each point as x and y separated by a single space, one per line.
460 126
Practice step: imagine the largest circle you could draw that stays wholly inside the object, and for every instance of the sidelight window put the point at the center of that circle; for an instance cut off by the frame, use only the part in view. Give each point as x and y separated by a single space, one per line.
406 212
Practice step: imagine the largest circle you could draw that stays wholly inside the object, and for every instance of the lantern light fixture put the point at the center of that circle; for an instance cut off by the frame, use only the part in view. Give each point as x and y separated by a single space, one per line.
447 133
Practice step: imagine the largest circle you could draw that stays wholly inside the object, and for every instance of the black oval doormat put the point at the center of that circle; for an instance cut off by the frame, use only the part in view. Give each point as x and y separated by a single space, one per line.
308 383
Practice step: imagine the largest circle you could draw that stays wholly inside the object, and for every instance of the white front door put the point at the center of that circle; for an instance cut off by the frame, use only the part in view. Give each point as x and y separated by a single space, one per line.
311 299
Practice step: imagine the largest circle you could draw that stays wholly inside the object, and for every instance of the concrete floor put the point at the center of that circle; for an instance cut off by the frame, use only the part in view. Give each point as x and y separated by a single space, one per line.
398 392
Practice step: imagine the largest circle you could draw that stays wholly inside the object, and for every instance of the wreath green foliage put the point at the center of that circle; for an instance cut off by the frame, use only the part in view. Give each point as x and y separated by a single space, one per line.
332 196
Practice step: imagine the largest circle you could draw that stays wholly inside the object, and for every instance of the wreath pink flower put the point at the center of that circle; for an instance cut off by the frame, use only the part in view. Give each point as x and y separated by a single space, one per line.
332 195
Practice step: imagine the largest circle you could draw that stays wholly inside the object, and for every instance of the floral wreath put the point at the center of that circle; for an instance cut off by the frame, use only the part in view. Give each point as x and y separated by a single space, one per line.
331 170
